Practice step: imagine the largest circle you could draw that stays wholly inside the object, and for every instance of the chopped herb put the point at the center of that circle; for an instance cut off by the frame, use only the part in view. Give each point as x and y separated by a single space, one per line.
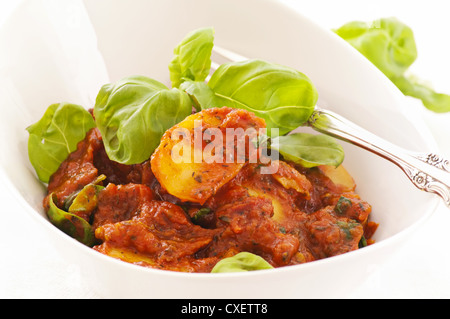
202 212
362 242
346 227
342 205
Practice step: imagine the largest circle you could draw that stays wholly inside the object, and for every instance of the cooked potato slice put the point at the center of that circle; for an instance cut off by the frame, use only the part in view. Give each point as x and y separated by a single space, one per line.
126 254
290 178
253 182
195 158
340 177
278 209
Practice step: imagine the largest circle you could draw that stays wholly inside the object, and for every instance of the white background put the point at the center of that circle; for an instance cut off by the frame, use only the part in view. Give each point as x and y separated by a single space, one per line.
421 269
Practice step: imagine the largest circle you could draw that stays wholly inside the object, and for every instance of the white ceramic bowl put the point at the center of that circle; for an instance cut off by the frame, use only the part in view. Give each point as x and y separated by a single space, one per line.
54 57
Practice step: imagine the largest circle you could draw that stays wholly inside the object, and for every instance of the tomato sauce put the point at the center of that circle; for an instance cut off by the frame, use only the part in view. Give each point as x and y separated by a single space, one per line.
293 216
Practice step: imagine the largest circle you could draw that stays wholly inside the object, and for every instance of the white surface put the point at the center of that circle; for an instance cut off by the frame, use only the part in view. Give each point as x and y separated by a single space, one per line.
420 269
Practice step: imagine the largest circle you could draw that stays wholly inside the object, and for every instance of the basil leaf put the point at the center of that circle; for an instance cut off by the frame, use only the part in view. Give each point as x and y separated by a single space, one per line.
87 199
387 43
343 205
241 262
73 225
133 113
85 190
200 93
432 100
309 150
55 136
283 97
202 212
192 57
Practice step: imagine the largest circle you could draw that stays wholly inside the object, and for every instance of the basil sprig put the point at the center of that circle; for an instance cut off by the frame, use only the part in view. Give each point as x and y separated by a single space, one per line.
284 97
390 45
133 113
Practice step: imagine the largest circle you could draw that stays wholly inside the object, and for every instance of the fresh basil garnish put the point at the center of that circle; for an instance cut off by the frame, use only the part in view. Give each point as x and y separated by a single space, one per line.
309 150
133 114
71 224
241 262
390 45
55 136
192 57
283 97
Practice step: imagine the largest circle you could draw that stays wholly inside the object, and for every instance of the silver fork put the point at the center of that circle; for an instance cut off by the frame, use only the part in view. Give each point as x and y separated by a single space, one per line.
429 172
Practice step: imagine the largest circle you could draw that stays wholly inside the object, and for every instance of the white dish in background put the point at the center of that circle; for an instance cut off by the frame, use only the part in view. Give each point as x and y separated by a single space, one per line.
53 58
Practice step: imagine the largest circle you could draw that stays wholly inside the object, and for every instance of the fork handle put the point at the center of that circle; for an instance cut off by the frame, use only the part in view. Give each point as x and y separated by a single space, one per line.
428 171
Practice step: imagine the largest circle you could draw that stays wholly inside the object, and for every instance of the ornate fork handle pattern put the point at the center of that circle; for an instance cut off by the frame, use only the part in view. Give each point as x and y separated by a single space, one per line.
429 172
435 160
429 183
